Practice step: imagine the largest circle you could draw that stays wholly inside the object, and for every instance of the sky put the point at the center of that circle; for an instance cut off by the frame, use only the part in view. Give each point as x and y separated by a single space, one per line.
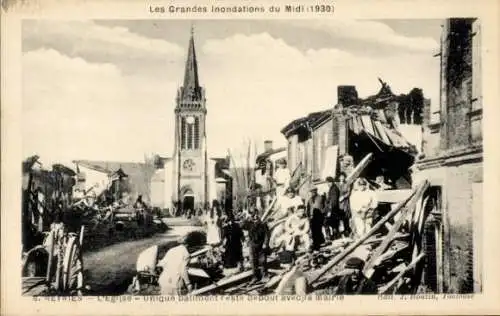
105 89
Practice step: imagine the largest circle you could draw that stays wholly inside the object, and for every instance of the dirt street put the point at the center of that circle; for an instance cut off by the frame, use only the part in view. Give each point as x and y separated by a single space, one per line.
109 270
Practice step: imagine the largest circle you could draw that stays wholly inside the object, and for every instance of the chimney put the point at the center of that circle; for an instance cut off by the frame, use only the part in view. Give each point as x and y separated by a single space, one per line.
347 95
268 146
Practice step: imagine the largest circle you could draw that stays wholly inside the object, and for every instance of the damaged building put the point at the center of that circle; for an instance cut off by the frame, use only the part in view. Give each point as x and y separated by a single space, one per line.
452 162
326 142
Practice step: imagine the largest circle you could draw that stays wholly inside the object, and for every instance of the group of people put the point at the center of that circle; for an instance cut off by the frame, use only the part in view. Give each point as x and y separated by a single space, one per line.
296 225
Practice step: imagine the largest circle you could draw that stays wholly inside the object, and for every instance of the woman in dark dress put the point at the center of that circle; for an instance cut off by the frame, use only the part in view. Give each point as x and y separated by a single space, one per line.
233 240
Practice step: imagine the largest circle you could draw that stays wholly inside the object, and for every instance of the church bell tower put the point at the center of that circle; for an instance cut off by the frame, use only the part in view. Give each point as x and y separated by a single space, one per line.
190 170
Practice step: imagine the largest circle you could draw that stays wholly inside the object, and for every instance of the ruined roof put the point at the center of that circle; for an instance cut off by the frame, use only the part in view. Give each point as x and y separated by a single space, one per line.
380 99
63 169
267 154
312 120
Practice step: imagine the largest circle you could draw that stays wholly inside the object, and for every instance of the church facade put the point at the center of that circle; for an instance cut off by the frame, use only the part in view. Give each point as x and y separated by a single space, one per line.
189 176
190 162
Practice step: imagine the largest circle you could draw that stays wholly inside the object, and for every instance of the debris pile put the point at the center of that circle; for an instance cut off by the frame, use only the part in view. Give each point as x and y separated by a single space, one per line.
391 254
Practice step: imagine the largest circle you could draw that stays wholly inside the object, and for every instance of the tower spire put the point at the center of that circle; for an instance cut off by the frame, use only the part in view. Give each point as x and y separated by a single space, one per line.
191 87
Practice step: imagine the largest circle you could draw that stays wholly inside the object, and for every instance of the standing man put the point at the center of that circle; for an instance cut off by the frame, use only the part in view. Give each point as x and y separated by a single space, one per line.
344 203
315 207
259 243
333 215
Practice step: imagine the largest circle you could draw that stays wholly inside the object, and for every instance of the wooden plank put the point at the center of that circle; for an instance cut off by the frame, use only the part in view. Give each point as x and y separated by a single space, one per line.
356 172
385 289
269 208
200 252
224 282
381 132
410 206
356 244
359 168
392 196
367 123
397 141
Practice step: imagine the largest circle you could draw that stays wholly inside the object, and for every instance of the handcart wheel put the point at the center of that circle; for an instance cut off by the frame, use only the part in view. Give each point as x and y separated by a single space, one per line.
72 266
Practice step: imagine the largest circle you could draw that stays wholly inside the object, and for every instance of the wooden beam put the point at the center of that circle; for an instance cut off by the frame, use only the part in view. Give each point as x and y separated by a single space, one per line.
393 282
356 244
269 208
357 171
392 196
224 282
410 206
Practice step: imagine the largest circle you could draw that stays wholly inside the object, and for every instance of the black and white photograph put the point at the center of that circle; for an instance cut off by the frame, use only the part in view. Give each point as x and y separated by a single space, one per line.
198 157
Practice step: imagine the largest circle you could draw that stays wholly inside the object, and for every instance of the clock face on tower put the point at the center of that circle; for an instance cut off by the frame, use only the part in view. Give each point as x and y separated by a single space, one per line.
188 165
190 120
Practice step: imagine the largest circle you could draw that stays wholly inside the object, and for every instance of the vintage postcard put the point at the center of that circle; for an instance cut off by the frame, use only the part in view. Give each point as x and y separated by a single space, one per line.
252 157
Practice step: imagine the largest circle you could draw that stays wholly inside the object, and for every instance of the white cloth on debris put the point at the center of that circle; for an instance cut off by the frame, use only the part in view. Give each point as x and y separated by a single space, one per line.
174 265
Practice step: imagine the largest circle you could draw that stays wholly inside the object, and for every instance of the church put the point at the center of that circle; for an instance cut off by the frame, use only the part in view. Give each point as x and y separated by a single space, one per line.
190 177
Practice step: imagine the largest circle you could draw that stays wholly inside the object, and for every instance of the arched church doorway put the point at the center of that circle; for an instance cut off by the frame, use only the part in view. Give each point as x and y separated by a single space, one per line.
187 195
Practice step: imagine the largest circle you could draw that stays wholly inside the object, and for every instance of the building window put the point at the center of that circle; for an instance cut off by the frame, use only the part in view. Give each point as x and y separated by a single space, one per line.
183 133
476 132
476 66
196 132
189 136
475 86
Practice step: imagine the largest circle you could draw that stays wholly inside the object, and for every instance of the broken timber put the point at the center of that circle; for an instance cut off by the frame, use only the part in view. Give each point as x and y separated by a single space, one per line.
222 283
360 241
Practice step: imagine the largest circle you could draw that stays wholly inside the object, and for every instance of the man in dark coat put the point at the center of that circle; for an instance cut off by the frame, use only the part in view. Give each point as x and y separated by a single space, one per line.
258 234
333 213
355 282
315 207
232 236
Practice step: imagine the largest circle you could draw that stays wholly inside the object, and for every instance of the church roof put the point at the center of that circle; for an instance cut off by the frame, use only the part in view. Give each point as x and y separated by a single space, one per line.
191 88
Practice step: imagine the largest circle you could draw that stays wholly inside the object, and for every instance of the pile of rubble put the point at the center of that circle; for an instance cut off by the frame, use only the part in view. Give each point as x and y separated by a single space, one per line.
392 252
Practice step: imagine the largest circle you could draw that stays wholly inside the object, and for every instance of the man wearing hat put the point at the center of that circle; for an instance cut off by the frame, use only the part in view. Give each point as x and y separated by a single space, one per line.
333 216
315 207
354 281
